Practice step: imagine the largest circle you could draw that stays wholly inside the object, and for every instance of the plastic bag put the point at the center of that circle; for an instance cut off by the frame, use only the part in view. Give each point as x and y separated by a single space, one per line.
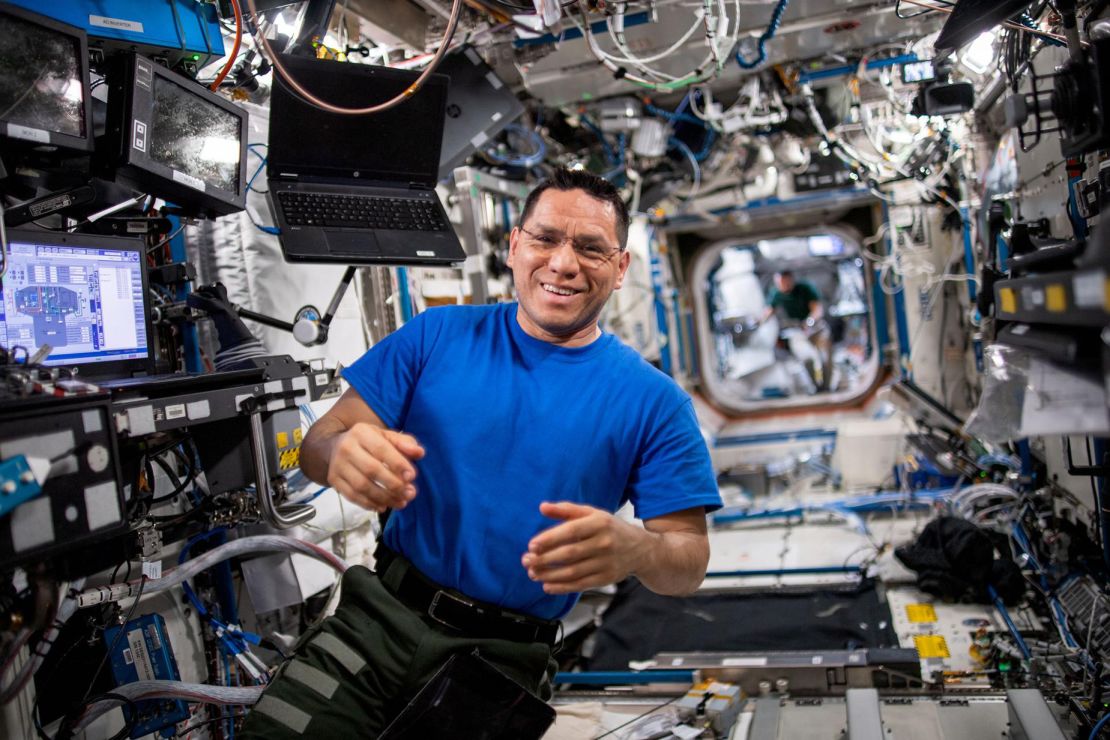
1025 395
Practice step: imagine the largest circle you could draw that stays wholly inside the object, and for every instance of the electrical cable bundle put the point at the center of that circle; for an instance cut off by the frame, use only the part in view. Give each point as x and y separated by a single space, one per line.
193 692
233 638
976 502
520 159
706 70
235 548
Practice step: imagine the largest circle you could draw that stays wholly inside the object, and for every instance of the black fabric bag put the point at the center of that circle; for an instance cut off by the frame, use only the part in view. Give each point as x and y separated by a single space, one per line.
955 560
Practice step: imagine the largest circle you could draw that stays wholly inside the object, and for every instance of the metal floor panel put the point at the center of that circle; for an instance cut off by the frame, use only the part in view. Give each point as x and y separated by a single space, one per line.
922 719
925 720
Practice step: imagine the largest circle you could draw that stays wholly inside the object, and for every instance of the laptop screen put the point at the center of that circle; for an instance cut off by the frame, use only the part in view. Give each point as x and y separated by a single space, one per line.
82 295
400 145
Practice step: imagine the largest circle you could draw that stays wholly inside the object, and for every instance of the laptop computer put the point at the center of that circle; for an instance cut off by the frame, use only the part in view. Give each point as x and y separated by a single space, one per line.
479 106
358 189
88 297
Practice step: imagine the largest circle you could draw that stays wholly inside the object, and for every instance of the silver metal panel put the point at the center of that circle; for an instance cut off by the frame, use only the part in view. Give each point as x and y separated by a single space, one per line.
903 718
824 720
978 718
766 720
1030 717
865 721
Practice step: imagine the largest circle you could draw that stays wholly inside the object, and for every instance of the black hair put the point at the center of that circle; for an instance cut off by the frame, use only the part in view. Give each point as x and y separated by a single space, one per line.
785 273
592 185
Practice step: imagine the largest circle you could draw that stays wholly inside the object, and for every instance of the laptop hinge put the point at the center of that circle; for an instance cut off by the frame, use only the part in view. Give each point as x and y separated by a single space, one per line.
420 186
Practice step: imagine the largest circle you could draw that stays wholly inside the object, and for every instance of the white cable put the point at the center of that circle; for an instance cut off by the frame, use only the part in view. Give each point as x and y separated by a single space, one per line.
196 692
707 93
694 77
235 548
964 502
654 57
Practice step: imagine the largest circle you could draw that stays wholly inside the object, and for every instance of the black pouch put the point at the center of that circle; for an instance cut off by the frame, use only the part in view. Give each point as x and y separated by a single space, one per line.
468 697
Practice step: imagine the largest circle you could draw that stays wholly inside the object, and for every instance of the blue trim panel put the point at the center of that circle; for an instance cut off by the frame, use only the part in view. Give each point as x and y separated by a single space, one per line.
660 309
969 251
605 678
848 69
679 333
902 324
882 321
190 339
799 435
827 198
406 299
568 34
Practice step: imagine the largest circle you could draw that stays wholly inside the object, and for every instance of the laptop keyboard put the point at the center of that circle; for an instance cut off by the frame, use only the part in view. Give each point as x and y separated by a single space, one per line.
334 210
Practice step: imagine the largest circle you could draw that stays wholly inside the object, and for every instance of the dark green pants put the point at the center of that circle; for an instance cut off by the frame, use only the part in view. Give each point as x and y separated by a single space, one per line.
352 675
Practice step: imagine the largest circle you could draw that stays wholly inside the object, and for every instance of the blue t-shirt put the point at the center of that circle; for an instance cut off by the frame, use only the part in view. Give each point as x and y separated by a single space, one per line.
509 421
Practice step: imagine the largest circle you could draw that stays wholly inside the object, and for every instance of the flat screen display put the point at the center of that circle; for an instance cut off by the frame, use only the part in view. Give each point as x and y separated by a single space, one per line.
42 80
191 136
825 245
86 302
918 72
399 144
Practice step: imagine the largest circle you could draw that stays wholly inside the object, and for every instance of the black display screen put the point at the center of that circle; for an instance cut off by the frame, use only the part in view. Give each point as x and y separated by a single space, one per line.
42 80
402 143
192 136
918 72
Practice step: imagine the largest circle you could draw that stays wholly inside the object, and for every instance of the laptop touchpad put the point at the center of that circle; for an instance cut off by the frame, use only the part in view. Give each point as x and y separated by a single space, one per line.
353 243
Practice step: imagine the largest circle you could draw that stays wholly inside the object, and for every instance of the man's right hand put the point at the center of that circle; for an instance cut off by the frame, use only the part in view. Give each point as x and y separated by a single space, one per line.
373 468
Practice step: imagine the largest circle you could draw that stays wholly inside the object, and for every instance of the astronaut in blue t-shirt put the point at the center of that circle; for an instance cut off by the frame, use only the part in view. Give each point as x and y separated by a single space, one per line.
503 438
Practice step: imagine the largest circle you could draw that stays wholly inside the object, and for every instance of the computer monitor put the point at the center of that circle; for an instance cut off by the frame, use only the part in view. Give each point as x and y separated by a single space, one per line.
82 294
919 71
825 245
169 136
44 83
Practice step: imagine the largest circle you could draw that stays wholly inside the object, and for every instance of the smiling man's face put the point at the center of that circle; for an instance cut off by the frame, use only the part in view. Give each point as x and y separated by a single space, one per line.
561 296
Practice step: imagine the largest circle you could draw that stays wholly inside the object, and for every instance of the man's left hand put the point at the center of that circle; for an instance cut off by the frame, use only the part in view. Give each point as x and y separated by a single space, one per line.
590 548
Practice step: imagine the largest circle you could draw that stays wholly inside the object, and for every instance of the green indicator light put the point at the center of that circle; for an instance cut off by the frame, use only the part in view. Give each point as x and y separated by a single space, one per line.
1004 666
196 57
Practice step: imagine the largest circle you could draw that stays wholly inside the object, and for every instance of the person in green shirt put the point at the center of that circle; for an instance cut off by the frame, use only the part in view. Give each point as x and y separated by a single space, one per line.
800 303
799 300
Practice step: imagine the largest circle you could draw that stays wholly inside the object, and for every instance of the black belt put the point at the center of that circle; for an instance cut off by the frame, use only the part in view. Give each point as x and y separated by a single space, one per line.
457 611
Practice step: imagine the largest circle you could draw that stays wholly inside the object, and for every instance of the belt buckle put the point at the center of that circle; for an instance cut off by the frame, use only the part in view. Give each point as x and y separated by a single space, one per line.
435 603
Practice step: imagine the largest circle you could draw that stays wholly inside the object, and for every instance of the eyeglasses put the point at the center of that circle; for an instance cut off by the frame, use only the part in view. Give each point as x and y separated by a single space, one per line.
589 253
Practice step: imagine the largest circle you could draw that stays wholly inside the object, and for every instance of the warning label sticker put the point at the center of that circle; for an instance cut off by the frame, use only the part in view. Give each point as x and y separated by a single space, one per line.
921 612
931 646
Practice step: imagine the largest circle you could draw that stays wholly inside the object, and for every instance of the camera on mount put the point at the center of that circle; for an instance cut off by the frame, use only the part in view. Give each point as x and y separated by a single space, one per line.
940 96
